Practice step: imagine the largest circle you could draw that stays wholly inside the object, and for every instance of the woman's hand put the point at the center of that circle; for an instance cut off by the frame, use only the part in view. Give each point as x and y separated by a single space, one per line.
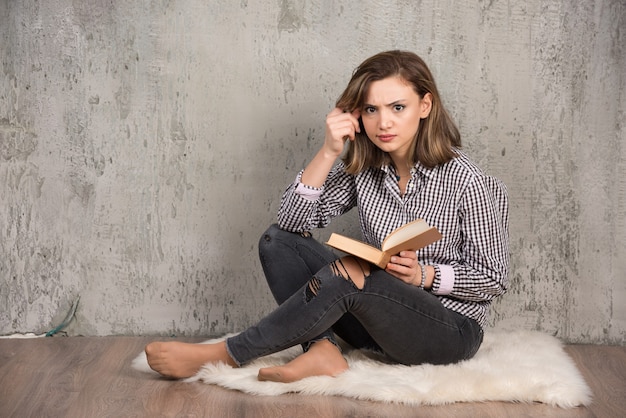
405 267
340 126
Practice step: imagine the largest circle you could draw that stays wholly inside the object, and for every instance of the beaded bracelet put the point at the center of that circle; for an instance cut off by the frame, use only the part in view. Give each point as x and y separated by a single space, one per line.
423 269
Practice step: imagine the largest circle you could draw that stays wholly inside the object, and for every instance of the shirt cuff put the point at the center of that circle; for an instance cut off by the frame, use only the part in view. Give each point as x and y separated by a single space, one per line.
446 279
306 192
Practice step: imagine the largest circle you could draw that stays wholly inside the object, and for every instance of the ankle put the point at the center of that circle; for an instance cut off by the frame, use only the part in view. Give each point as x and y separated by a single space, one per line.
325 345
224 355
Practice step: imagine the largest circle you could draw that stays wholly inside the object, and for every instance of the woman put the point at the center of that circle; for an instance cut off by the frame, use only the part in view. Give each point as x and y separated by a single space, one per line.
403 162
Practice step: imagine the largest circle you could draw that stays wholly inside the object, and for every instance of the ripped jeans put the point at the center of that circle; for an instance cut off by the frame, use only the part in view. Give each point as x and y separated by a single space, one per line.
318 299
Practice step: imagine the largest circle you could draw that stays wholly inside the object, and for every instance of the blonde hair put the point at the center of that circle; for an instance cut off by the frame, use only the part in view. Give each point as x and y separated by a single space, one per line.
437 135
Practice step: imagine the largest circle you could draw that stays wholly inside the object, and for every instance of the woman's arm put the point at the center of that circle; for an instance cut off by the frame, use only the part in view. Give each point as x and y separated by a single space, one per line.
322 190
481 273
303 208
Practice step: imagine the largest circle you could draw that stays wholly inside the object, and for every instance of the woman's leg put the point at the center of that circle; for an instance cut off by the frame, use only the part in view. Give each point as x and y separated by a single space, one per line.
289 261
175 359
409 324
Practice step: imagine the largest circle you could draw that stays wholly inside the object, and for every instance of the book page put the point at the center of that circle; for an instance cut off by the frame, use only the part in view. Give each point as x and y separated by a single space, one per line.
404 233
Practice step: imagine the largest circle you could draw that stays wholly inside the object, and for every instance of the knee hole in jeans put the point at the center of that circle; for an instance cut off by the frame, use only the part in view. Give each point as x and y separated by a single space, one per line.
350 269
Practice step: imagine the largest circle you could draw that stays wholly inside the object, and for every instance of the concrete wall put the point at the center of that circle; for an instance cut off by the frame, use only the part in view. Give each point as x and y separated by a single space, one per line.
144 147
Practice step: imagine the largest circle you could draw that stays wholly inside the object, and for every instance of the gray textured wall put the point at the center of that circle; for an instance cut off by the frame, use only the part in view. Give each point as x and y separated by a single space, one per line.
144 147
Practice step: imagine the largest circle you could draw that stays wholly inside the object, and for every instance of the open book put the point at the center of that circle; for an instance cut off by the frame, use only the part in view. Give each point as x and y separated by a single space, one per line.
410 237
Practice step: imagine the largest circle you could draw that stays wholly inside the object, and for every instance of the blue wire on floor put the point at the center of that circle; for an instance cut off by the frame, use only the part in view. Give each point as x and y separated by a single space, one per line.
67 319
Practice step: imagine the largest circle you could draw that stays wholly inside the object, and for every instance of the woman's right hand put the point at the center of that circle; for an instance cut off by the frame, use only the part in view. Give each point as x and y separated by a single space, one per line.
340 126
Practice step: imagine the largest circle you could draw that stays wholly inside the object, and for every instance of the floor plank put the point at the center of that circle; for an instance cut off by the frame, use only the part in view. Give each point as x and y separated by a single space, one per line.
92 377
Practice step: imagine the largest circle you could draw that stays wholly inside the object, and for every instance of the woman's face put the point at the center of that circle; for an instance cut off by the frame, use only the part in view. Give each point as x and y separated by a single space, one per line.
391 115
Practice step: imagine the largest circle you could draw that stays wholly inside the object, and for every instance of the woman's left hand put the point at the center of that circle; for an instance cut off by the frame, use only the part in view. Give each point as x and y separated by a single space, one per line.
405 267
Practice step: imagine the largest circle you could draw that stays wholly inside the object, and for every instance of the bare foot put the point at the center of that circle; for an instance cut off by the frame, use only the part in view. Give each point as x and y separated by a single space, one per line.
180 360
322 359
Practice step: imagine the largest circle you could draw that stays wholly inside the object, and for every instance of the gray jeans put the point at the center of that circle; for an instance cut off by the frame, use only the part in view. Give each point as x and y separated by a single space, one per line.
406 324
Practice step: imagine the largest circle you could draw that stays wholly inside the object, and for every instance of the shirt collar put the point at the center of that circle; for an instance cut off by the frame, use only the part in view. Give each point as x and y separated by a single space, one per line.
417 168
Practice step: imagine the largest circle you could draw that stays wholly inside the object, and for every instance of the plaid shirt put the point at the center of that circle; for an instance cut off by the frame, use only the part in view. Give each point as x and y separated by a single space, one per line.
468 207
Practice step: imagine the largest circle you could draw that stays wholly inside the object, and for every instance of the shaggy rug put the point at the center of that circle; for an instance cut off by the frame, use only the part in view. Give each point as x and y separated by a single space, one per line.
517 366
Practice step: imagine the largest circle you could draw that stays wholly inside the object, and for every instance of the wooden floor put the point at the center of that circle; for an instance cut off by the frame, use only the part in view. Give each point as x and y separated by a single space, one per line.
92 377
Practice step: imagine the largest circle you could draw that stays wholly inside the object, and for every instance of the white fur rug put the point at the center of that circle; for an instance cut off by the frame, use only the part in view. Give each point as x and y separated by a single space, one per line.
518 366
